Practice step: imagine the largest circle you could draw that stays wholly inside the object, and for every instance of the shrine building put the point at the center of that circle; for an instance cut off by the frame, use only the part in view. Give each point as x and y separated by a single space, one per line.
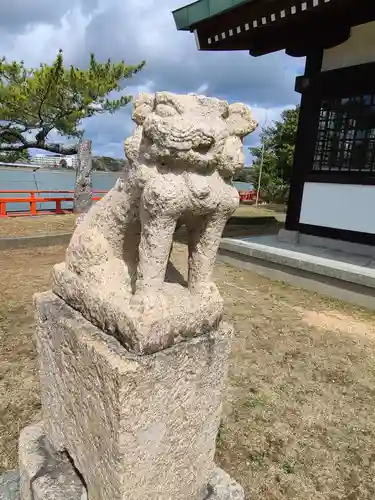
332 194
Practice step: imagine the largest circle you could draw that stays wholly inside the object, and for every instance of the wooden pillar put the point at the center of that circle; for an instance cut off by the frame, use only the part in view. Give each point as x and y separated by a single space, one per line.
305 142
83 187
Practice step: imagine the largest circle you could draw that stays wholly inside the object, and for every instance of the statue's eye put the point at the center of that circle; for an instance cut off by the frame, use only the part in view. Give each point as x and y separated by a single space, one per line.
225 114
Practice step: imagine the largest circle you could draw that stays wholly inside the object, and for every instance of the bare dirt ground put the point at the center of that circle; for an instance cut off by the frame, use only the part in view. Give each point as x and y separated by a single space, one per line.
298 420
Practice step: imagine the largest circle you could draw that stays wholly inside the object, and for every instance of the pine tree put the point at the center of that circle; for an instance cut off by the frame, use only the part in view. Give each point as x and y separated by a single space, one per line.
35 102
22 156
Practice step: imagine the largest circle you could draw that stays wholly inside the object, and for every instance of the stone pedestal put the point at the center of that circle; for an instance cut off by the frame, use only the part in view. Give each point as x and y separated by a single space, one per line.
135 427
44 473
49 475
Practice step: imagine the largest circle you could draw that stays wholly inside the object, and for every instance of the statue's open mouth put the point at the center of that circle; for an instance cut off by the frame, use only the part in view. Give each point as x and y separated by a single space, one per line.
203 149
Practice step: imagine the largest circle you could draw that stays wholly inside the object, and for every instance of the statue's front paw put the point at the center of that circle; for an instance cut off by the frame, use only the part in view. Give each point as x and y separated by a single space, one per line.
204 289
145 299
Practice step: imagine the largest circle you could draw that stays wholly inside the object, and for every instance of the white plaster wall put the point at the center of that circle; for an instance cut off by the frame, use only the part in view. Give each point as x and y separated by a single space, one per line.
339 206
359 49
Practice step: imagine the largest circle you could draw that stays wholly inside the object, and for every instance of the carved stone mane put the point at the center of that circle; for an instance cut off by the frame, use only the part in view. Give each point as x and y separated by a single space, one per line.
180 162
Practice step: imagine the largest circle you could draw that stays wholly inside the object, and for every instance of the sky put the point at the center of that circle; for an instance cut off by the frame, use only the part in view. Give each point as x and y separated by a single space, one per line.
136 30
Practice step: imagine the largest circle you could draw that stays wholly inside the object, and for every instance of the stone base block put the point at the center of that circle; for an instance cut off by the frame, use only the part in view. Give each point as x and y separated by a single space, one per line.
222 487
137 427
10 485
48 475
44 473
142 324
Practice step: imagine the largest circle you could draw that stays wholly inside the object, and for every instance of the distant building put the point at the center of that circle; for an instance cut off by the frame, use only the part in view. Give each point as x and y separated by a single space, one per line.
57 161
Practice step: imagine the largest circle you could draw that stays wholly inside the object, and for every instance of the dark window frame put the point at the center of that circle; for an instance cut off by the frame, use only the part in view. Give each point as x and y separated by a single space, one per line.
345 139
328 88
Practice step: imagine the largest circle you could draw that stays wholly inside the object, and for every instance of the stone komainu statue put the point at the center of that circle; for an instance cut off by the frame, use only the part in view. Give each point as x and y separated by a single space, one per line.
180 163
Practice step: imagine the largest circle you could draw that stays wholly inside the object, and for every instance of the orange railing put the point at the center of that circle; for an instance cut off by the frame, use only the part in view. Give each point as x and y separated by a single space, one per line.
248 195
35 198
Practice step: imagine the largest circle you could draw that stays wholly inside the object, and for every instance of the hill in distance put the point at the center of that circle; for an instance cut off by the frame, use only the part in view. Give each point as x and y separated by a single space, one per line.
107 164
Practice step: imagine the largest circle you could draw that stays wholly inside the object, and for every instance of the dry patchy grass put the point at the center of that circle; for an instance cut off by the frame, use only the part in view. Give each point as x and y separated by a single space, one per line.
298 421
31 226
23 272
260 211
48 224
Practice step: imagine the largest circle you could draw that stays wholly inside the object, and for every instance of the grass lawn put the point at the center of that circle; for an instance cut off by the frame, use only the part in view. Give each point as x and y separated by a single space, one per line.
298 421
47 224
260 211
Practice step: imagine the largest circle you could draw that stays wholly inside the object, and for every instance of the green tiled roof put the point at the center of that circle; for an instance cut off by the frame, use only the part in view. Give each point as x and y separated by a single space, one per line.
201 10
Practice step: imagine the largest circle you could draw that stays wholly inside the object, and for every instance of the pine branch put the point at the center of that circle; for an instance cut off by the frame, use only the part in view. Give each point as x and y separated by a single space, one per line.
53 97
52 148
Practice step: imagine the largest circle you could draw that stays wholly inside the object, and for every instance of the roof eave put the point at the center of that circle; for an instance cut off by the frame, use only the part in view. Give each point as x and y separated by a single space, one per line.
185 19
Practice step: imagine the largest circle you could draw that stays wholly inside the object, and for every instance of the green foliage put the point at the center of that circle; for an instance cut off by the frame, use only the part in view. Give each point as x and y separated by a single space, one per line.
277 146
22 156
33 102
102 164
244 175
107 164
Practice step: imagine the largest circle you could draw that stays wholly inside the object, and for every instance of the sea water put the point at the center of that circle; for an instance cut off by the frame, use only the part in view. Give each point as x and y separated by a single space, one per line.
47 180
56 180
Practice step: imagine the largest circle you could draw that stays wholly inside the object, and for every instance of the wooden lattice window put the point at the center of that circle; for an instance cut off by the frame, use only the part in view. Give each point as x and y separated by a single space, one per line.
346 135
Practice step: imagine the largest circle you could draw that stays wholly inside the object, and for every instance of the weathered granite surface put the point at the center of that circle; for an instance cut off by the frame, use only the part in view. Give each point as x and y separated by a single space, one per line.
10 485
137 427
223 487
180 161
220 487
172 315
83 185
44 473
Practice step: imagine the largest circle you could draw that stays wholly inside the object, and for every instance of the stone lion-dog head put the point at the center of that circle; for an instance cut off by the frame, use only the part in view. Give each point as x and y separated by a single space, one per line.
190 131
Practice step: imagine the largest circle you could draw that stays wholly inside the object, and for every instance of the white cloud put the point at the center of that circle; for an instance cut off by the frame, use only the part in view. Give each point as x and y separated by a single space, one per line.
265 116
40 42
133 31
202 89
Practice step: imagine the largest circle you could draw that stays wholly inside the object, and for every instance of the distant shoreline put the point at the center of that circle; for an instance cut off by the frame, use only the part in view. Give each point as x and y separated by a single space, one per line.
54 170
245 186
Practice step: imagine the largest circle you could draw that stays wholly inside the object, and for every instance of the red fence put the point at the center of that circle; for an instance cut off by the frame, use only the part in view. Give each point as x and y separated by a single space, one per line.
248 195
34 198
52 197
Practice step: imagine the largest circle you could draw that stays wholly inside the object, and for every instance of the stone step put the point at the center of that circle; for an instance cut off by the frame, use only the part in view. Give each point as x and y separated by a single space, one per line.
341 275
